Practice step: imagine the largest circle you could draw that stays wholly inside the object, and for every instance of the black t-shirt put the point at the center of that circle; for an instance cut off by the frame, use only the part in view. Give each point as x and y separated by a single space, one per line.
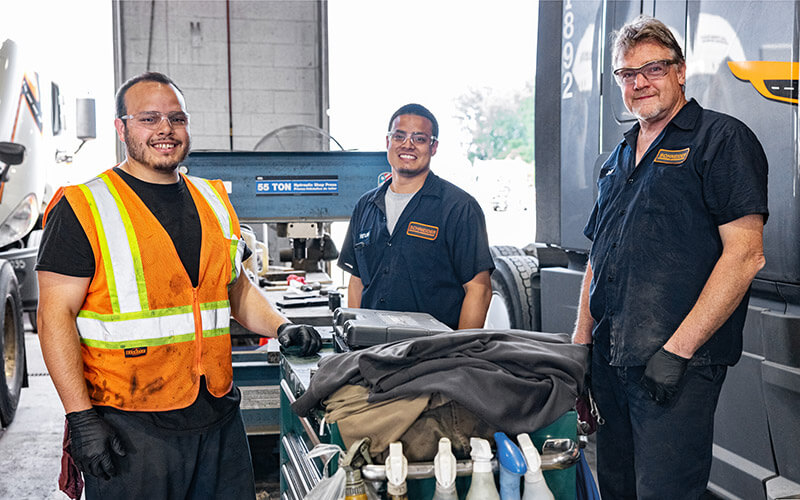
65 249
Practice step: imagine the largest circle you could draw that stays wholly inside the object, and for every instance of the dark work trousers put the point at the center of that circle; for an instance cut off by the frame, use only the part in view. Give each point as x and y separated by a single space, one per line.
162 464
649 451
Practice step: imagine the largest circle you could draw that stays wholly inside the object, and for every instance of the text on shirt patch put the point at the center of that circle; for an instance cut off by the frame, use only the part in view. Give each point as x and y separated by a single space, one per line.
135 352
671 157
424 231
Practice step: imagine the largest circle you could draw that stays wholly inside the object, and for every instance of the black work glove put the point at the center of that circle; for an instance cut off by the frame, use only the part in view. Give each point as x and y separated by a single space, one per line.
304 339
584 404
587 378
662 375
93 443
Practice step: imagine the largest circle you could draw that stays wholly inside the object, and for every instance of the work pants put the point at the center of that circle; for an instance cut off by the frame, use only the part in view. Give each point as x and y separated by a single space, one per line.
649 451
163 464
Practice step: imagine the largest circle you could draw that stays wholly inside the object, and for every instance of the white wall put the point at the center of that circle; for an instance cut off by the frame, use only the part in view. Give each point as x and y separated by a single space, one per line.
274 63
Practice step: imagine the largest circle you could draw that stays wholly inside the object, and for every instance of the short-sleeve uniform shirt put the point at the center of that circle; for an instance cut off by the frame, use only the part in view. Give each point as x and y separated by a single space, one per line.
655 232
438 244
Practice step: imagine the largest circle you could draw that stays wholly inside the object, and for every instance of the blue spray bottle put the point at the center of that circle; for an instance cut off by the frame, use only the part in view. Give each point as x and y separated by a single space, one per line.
512 466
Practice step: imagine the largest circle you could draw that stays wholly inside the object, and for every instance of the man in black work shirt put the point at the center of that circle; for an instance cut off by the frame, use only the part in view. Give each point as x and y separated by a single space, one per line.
417 242
677 240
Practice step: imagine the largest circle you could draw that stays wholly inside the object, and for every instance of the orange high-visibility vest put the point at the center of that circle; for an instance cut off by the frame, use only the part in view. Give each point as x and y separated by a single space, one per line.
146 334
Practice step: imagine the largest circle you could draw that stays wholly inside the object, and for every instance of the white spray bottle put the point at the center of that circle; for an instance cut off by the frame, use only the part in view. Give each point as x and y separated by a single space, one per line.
535 485
482 487
396 472
444 467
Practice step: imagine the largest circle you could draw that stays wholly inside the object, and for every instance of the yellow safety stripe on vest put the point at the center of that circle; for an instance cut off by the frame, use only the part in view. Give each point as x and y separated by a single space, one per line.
122 331
116 255
133 243
237 254
223 217
217 205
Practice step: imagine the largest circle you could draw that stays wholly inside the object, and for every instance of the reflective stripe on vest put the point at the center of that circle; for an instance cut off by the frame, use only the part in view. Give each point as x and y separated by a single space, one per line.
152 328
212 197
120 248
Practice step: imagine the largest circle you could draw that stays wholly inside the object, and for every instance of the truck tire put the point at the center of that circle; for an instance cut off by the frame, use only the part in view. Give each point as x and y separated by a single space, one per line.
504 250
33 318
515 283
12 344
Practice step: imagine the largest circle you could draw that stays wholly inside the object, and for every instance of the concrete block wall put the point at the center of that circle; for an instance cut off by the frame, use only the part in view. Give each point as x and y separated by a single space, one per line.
275 62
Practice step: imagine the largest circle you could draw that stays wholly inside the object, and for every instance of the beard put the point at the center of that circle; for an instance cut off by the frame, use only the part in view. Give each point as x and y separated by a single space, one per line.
139 151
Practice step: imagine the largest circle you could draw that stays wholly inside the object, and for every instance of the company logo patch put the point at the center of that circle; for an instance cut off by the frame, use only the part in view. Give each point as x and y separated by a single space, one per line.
385 176
135 352
671 157
424 231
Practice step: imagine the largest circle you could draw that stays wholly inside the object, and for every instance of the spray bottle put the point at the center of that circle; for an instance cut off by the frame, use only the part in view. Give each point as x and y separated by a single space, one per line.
444 467
535 485
356 457
396 472
482 487
512 466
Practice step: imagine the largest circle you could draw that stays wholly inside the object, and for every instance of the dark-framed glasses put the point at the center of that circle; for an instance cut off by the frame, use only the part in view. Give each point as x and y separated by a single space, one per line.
654 70
154 119
417 138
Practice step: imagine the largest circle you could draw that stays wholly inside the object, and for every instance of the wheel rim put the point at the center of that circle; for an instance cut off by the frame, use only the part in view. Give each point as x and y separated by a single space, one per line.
497 317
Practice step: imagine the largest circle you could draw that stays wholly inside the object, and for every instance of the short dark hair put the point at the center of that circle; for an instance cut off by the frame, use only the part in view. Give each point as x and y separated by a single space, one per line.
644 28
150 76
419 110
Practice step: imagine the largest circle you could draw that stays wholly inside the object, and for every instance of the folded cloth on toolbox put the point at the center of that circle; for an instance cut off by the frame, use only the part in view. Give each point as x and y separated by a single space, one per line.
516 380
416 422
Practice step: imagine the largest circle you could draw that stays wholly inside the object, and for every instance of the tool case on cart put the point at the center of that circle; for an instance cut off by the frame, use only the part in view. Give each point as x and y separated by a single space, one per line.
358 328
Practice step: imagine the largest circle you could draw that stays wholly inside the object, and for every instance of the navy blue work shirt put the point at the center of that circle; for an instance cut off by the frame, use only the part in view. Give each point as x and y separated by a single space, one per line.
439 243
655 232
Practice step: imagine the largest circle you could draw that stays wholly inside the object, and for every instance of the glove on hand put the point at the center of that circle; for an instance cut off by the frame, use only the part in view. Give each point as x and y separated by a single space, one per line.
587 421
662 375
92 442
304 338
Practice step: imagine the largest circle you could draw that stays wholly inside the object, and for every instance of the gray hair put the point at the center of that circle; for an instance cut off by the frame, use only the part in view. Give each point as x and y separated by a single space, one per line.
644 28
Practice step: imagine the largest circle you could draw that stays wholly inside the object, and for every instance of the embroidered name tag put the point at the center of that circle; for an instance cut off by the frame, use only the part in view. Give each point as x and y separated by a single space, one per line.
672 157
424 231
135 352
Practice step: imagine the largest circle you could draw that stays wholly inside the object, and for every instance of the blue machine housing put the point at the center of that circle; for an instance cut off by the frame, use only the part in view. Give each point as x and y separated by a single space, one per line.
292 186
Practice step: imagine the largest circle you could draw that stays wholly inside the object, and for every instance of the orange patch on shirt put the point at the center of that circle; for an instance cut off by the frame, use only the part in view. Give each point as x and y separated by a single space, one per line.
671 157
424 231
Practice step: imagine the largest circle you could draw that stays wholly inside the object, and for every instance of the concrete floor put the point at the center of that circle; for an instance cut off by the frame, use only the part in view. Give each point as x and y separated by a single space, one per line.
30 448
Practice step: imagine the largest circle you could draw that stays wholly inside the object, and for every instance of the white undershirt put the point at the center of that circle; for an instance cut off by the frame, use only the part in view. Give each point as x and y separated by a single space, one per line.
395 204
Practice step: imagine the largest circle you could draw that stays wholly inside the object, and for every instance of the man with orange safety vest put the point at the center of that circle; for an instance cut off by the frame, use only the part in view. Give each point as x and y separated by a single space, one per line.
139 274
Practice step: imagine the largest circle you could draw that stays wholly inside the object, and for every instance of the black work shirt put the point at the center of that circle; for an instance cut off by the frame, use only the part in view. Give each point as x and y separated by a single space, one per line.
655 232
65 249
439 243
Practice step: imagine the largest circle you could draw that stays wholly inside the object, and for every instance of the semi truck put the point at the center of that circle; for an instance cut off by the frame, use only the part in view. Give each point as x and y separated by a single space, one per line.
33 145
742 59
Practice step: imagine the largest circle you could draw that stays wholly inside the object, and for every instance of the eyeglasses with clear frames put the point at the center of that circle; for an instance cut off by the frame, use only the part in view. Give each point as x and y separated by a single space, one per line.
154 119
654 70
417 138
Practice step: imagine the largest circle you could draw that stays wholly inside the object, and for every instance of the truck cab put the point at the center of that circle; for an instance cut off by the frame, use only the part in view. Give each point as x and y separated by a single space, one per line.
741 60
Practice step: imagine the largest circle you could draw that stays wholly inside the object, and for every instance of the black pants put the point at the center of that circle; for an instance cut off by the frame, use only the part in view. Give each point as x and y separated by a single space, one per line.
649 451
160 464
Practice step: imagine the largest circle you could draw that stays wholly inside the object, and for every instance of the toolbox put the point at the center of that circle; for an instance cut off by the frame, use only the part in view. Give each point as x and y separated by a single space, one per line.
359 328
